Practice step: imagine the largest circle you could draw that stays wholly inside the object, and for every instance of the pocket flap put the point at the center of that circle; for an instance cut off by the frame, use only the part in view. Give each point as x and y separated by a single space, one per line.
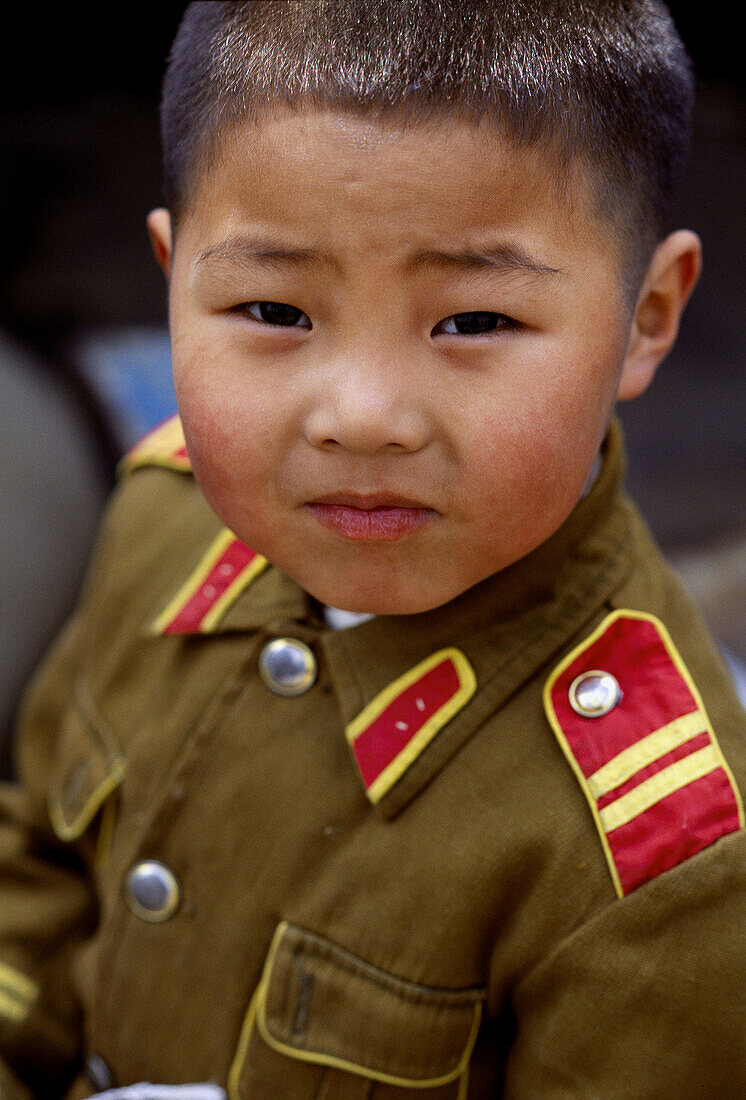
320 1003
87 769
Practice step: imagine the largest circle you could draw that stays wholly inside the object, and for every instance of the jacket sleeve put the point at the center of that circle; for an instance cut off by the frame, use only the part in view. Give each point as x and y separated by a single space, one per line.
648 998
46 906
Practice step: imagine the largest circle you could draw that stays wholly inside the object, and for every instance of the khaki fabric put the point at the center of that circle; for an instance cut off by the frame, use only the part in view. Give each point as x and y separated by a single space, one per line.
460 938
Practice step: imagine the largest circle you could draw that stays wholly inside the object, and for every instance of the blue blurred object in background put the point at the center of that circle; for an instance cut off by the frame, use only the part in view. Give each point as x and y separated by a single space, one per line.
128 370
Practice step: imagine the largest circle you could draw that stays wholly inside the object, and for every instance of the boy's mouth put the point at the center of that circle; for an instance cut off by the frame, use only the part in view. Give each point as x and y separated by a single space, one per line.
379 517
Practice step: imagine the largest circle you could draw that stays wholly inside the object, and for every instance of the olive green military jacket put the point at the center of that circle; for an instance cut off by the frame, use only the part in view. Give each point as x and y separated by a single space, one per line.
495 849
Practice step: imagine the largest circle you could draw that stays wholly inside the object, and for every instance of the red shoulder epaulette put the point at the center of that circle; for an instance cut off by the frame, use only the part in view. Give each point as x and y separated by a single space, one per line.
635 731
163 446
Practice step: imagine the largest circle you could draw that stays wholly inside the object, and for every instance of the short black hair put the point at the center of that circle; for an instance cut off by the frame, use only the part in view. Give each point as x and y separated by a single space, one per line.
607 81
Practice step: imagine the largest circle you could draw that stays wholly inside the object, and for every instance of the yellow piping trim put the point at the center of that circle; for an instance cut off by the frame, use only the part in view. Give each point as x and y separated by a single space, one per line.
20 985
651 748
72 830
659 786
234 589
198 576
256 1016
105 832
673 653
234 1075
400 764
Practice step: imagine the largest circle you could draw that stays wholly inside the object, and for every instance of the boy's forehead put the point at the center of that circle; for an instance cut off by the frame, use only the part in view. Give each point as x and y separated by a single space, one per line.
287 160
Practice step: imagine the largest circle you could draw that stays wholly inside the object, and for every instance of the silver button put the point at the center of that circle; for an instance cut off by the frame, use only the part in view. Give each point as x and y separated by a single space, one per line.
594 693
287 666
152 891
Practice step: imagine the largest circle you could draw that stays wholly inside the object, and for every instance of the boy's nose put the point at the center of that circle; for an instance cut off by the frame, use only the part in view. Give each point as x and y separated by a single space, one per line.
365 412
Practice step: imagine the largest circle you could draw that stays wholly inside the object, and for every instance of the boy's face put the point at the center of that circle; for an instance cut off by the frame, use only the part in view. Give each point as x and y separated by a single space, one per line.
422 404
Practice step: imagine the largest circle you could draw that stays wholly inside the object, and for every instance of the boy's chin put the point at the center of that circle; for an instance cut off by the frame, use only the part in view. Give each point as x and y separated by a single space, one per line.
372 600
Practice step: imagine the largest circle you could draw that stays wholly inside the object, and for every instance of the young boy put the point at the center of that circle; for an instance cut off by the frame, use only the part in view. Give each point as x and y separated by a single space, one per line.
384 756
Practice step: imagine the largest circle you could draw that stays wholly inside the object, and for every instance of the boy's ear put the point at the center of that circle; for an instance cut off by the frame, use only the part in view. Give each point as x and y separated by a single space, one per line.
670 279
161 238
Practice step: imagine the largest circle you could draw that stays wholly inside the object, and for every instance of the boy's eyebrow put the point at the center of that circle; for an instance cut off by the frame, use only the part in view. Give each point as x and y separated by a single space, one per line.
503 257
246 248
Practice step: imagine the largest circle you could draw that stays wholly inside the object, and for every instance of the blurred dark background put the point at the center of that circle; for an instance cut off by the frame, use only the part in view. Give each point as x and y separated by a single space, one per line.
83 348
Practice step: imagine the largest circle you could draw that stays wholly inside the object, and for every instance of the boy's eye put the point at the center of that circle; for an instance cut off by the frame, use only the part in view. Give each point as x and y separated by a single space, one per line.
278 313
474 323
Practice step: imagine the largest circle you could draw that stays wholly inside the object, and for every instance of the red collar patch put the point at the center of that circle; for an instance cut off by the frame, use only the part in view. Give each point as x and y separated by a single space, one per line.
401 721
223 572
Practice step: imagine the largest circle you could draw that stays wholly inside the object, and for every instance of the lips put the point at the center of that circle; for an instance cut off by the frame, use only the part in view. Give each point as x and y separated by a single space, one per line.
378 517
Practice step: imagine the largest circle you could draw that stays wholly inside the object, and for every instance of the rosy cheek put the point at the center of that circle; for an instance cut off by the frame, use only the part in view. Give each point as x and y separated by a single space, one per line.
229 448
210 404
209 439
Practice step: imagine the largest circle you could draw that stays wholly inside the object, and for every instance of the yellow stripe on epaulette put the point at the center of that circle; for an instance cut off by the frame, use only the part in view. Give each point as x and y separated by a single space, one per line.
163 446
17 993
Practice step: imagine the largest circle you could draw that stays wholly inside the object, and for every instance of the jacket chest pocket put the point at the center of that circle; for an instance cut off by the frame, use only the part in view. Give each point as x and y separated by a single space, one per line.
88 769
325 1025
